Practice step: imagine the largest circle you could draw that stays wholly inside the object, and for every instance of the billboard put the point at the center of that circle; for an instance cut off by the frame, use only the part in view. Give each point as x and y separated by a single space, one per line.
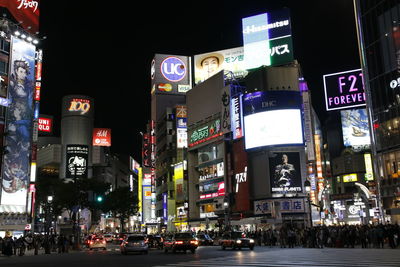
344 90
18 124
170 74
101 137
45 125
77 161
272 118
77 105
24 11
285 172
267 39
208 64
355 127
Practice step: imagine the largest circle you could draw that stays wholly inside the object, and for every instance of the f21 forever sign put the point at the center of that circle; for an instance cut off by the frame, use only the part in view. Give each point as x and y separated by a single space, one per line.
344 90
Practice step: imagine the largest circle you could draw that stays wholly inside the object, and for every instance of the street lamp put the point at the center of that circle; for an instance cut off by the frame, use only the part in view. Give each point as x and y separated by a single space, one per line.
226 212
47 222
307 187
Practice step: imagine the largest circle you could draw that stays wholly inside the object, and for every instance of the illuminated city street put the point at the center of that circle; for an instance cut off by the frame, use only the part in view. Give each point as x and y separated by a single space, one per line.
200 133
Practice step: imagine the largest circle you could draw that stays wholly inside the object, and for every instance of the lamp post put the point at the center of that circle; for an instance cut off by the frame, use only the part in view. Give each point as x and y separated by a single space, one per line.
226 213
47 222
307 187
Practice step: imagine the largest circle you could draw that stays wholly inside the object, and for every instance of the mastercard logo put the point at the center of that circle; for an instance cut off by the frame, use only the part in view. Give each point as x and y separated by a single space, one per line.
165 87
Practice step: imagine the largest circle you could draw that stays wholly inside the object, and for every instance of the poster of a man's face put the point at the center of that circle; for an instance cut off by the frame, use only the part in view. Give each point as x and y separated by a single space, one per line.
285 174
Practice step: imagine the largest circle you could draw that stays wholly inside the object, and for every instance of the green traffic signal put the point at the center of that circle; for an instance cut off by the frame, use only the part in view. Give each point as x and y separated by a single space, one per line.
99 199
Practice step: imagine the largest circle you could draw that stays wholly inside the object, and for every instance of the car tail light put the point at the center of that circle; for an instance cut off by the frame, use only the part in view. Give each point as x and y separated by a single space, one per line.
194 242
104 241
91 242
178 242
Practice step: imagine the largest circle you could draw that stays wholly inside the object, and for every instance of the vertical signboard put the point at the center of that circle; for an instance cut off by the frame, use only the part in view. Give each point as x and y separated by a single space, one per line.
236 117
19 124
77 161
226 109
181 126
241 183
267 39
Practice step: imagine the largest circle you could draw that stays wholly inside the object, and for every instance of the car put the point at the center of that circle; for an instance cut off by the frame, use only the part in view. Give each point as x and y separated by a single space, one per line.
236 239
88 239
205 240
108 237
97 242
119 238
134 243
155 241
182 242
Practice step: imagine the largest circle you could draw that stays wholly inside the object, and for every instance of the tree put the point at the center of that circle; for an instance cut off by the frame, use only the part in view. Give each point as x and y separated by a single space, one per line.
122 203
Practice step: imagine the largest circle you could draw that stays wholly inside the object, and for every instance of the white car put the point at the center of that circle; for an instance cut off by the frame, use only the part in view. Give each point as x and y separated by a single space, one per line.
98 243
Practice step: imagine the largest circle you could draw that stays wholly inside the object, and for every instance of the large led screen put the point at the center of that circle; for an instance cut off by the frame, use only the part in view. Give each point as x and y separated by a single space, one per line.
355 127
274 127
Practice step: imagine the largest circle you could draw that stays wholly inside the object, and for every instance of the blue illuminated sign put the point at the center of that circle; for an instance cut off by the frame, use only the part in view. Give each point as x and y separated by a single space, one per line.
173 69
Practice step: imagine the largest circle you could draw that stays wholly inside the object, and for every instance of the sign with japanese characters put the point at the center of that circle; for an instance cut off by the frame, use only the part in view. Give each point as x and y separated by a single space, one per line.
344 90
290 205
229 60
204 133
77 161
267 39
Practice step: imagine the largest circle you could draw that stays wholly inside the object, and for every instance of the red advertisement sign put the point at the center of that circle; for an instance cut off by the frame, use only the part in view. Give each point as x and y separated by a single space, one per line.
101 137
26 11
45 125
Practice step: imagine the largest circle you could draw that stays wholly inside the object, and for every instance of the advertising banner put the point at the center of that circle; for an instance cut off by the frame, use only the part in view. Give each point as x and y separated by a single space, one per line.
77 161
226 109
101 137
236 117
267 39
181 126
355 127
344 90
24 11
229 60
285 172
19 124
170 74
179 184
292 205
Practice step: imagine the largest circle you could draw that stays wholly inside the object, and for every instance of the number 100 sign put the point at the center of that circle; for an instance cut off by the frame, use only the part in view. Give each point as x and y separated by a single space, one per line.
344 90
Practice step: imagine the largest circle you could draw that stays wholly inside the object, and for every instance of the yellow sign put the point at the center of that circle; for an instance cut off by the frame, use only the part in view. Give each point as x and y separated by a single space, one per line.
350 178
369 173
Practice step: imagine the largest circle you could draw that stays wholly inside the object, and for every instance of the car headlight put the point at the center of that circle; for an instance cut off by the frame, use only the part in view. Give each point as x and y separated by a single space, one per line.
251 240
239 241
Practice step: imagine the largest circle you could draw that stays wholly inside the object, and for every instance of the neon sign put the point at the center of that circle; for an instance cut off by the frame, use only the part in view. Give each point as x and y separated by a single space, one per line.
79 105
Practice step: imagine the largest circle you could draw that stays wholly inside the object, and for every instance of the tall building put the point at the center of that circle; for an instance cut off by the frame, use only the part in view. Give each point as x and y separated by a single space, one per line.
378 25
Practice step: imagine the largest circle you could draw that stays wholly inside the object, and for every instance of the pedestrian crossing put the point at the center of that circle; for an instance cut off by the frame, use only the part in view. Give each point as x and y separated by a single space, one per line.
300 258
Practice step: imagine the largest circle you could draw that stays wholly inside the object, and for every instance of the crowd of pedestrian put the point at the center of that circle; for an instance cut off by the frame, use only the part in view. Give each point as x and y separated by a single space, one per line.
19 245
335 236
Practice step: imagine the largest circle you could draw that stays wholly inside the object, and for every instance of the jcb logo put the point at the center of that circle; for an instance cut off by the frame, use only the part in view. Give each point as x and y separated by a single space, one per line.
79 105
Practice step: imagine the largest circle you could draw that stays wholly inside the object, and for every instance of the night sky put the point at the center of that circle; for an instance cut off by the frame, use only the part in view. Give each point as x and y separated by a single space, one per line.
104 50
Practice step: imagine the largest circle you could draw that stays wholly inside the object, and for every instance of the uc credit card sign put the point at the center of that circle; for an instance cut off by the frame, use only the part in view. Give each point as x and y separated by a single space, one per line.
344 90
170 74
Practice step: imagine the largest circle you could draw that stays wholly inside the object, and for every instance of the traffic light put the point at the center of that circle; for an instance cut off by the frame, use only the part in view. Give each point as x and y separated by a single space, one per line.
99 198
